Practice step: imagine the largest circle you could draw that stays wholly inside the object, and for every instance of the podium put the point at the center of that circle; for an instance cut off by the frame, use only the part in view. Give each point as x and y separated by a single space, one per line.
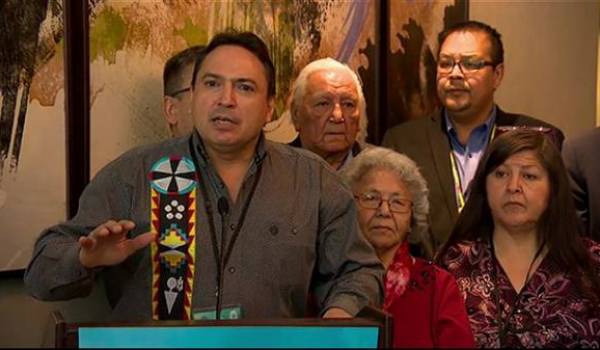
370 329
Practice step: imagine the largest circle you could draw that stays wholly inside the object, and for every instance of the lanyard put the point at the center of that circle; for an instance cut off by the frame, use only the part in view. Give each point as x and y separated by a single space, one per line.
221 257
458 189
458 186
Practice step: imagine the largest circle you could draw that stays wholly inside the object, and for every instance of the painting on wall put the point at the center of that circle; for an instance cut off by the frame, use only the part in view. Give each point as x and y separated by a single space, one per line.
131 40
411 56
32 125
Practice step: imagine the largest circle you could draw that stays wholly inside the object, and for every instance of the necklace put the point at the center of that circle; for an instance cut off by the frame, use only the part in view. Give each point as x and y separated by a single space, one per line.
504 325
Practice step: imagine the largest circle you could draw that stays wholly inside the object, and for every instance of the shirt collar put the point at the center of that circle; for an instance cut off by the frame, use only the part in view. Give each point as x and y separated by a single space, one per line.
482 131
487 125
352 152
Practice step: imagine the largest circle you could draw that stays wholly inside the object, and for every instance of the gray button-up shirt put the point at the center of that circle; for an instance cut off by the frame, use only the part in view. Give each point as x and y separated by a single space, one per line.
300 234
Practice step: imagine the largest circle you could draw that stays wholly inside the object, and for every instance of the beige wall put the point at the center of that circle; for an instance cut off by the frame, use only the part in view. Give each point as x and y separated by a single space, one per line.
24 321
551 58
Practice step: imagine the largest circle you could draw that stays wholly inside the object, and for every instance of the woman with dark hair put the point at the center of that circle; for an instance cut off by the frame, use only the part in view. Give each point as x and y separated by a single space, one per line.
529 279
391 196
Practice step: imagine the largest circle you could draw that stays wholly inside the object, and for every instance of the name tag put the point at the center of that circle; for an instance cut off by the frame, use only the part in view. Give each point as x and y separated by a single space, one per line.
233 312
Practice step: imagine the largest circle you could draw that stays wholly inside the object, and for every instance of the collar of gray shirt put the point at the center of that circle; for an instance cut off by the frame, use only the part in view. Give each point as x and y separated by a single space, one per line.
207 169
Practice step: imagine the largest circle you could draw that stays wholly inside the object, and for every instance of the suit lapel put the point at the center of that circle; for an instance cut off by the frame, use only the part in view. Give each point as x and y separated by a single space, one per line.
440 148
503 119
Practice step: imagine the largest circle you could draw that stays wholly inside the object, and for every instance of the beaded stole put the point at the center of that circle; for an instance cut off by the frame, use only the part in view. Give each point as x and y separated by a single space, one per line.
173 187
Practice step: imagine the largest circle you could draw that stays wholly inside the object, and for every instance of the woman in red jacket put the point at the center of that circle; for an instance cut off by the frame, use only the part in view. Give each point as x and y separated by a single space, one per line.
392 203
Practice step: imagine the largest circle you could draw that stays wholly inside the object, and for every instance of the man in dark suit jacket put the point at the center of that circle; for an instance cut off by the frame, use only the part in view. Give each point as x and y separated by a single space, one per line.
448 144
581 158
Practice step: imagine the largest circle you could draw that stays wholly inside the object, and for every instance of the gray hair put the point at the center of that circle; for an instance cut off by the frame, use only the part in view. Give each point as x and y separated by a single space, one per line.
299 90
383 158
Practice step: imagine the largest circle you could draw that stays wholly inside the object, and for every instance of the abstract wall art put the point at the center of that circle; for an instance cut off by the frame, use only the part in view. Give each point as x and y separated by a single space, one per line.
130 41
32 125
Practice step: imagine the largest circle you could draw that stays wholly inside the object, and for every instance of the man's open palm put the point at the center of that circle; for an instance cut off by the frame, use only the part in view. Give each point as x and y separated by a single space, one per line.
108 244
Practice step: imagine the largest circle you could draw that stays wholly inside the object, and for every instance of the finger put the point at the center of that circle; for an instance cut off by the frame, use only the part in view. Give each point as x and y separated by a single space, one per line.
100 231
140 241
114 227
109 223
87 243
127 225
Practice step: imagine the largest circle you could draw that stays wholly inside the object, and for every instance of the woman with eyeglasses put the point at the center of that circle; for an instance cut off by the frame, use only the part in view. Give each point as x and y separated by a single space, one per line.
391 196
529 278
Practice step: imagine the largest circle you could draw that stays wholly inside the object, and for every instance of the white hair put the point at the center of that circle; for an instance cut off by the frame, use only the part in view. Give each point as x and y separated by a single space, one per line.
406 169
299 90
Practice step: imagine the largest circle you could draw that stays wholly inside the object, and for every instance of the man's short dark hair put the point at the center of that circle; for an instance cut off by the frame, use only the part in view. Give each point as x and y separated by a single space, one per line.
248 41
172 79
497 49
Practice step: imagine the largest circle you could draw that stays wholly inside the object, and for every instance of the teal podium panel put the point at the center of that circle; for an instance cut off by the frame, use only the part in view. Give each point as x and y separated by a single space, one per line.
230 337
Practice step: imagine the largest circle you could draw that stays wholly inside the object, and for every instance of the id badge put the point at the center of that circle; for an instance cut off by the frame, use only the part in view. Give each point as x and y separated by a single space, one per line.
229 312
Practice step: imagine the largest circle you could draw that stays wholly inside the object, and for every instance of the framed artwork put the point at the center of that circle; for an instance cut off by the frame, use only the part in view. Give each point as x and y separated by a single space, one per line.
129 42
411 48
32 125
113 52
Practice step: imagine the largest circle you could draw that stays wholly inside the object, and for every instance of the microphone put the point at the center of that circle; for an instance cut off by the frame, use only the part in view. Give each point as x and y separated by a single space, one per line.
223 208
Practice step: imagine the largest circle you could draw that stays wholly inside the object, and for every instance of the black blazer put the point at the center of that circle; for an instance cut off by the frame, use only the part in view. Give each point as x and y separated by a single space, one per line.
426 142
581 159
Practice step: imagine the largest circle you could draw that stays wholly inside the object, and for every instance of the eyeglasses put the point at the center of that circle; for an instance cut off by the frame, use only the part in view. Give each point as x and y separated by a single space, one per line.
177 92
373 200
466 65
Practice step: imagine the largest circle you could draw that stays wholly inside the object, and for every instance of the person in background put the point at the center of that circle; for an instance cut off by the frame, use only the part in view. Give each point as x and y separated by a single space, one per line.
529 278
424 300
328 110
177 96
203 227
580 155
448 144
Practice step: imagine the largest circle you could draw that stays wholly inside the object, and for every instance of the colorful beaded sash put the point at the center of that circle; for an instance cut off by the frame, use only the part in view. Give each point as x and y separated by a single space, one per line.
173 186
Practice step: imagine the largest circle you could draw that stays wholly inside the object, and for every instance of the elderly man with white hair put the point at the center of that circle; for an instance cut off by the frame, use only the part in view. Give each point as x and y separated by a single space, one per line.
328 110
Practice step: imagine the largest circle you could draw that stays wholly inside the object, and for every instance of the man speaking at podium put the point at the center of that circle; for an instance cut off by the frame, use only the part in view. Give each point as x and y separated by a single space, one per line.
219 224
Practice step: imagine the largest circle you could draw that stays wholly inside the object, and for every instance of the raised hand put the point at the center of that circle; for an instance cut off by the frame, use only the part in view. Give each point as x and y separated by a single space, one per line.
108 244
